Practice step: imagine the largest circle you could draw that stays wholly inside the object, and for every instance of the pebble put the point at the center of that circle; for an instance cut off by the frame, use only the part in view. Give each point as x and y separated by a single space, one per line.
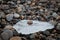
16 15
30 22
53 22
0 38
46 32
19 9
33 35
8 27
58 26
9 17
58 36
16 38
50 38
55 15
2 15
6 34
43 0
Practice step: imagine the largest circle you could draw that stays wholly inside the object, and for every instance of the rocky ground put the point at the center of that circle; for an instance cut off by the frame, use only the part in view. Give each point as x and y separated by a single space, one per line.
13 11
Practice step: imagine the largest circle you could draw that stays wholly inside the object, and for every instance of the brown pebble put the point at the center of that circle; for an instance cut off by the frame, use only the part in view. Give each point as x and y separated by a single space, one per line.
16 38
8 27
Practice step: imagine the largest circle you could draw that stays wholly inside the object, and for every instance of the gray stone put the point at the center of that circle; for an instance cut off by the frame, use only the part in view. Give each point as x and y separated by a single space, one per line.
16 15
50 38
33 35
9 17
7 11
55 15
46 32
2 14
58 26
0 38
23 1
43 0
15 33
6 34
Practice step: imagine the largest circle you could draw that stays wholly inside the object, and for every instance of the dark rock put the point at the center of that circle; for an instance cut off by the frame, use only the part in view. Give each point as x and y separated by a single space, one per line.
46 32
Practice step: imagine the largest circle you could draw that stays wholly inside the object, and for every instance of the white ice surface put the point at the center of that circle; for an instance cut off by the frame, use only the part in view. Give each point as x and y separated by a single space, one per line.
24 28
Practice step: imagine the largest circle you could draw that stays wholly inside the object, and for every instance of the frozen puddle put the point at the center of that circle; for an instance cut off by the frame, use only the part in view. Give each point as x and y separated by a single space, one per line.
24 28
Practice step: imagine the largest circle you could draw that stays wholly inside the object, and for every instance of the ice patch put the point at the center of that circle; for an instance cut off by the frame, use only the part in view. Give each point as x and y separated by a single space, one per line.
24 28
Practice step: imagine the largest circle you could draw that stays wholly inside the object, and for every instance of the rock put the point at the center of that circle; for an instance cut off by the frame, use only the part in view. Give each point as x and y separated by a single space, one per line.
16 38
46 32
41 10
53 22
28 2
19 9
43 0
22 1
33 35
0 0
2 15
30 22
23 38
58 37
12 4
55 15
5 7
18 1
15 33
50 38
58 26
57 0
0 38
8 27
9 17
22 17
6 34
7 11
16 15
3 21
58 17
